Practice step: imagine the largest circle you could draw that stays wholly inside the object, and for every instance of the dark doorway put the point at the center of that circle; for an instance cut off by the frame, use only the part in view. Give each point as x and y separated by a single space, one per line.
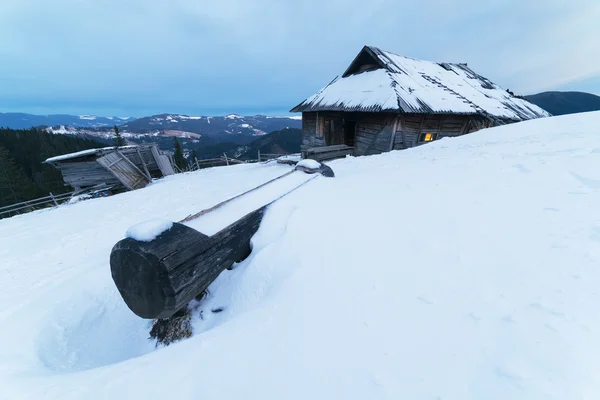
349 132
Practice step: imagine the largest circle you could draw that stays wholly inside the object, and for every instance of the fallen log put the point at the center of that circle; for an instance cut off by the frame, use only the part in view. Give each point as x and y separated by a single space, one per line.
159 275
158 278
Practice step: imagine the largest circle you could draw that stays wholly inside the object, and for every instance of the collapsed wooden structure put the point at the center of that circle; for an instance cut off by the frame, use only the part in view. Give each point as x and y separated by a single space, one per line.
384 101
121 168
158 277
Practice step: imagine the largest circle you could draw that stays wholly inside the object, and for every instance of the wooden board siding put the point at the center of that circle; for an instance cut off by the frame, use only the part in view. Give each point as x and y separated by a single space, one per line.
309 130
162 162
380 132
374 134
130 176
85 174
411 127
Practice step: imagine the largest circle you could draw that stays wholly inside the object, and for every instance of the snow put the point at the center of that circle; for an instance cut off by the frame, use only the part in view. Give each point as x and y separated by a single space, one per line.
83 153
147 231
370 90
217 220
310 164
291 157
188 117
245 126
87 117
295 117
466 268
61 130
412 85
233 116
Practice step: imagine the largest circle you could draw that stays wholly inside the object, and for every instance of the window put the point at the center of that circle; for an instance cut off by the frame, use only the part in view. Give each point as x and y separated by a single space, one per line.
427 137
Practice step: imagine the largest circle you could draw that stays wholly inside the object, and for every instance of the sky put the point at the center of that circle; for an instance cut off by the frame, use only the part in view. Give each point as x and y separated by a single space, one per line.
141 57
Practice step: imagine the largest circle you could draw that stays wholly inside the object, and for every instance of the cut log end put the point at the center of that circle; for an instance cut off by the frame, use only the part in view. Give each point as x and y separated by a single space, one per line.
136 274
143 271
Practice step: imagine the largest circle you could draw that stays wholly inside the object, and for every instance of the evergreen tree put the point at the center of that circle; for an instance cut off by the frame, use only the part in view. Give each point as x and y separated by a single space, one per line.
23 175
15 186
118 139
179 158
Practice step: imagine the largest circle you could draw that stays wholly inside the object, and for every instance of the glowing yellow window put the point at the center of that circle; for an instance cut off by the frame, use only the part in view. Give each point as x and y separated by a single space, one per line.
427 137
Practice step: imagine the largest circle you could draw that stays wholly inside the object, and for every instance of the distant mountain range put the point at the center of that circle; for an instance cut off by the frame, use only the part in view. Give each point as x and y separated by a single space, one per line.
191 131
25 121
560 103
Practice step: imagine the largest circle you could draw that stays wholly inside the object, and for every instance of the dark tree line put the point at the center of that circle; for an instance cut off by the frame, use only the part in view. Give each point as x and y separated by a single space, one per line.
22 175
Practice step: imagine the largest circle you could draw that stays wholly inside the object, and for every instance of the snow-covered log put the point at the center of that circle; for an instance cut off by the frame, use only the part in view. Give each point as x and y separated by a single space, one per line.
158 277
162 265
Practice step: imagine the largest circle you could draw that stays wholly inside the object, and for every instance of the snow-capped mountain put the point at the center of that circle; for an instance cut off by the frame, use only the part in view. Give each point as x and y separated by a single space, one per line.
192 131
231 124
25 121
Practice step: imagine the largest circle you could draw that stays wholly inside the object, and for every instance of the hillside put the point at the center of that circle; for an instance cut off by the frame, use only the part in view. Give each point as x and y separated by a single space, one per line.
561 103
465 269
285 141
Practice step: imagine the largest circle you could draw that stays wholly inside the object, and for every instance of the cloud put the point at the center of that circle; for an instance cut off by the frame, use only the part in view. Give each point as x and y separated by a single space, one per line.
137 56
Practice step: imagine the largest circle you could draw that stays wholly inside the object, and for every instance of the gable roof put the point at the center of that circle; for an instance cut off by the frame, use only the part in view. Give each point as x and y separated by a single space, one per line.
379 80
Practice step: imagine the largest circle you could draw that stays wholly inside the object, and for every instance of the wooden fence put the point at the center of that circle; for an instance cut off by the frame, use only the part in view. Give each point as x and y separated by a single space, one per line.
35 204
54 201
269 156
50 201
224 160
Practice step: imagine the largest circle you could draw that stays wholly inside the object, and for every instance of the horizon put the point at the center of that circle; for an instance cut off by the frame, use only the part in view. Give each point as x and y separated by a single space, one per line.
235 57
220 113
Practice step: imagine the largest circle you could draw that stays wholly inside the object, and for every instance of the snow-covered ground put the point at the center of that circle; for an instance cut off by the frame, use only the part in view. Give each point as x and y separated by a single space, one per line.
467 268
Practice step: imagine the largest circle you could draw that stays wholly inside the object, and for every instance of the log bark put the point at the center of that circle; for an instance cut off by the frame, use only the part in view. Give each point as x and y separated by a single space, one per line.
160 277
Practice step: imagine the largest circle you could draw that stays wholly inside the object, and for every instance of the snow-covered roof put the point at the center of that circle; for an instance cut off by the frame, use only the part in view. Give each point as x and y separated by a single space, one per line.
98 151
379 80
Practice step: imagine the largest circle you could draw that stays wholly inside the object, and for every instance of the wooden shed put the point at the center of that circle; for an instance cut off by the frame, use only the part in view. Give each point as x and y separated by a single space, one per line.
384 101
121 168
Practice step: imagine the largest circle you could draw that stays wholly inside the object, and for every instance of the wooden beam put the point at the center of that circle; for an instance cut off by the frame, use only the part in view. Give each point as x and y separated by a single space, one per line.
144 164
401 122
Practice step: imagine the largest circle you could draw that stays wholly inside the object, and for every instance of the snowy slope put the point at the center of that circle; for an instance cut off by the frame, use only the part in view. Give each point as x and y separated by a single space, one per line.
463 269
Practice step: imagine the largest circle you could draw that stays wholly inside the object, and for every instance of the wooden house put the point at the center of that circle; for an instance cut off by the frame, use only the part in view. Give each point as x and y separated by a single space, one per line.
120 168
384 101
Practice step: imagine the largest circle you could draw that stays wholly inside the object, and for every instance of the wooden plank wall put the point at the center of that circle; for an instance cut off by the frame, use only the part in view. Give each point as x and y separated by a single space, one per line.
84 174
375 131
373 134
130 176
162 162
309 129
410 127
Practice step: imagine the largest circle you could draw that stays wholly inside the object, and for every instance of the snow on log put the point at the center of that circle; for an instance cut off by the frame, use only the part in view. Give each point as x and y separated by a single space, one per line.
148 231
159 277
312 166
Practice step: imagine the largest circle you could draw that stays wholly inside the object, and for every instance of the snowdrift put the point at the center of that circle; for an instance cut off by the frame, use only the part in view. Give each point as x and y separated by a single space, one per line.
463 269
